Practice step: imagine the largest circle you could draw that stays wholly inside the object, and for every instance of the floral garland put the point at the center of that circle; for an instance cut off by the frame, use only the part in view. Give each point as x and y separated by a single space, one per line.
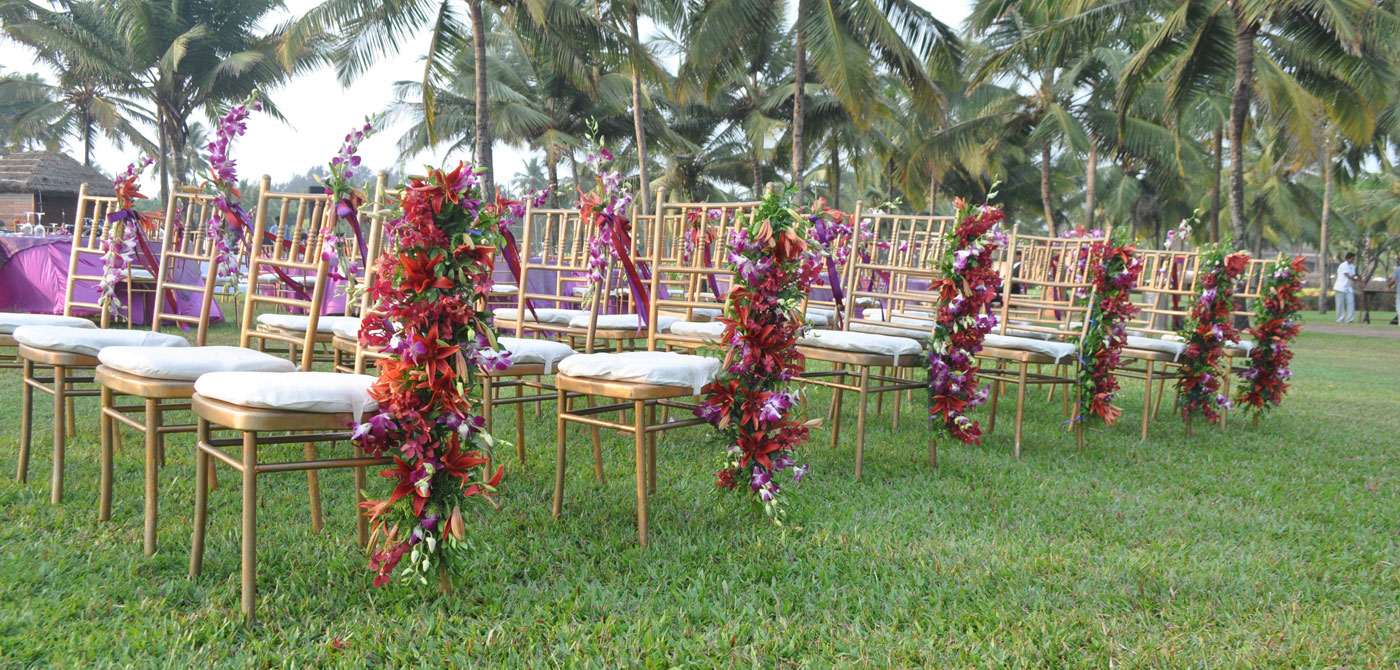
1208 327
1275 325
229 223
427 389
831 237
119 247
751 400
1113 271
347 202
968 286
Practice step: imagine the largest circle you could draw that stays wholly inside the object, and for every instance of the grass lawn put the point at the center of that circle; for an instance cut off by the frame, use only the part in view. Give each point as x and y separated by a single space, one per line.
1273 545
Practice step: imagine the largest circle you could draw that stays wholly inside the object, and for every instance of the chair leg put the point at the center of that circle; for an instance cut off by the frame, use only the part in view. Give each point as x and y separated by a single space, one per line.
992 406
1020 406
880 397
899 374
313 487
26 421
202 465
72 414
250 523
651 449
152 470
1161 391
860 419
60 422
559 454
836 411
104 430
640 441
520 423
1147 400
361 522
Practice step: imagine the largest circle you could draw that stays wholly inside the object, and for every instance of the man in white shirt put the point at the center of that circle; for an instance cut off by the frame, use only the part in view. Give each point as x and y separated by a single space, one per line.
1346 299
1393 284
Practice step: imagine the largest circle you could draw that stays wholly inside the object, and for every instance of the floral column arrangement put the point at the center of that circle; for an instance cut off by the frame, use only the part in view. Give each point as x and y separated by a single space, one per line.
429 324
230 223
1208 328
604 211
751 402
1113 272
831 237
1275 326
969 284
340 187
119 247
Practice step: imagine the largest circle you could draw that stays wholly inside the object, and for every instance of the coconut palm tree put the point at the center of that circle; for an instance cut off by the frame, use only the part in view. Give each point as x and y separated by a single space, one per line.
77 107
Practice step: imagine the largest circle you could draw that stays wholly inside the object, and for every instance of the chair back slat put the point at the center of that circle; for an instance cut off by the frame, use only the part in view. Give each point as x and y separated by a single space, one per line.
187 208
682 236
1164 292
893 271
1050 292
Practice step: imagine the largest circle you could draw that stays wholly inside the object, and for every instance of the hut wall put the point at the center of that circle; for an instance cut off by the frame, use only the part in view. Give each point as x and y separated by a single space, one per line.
14 206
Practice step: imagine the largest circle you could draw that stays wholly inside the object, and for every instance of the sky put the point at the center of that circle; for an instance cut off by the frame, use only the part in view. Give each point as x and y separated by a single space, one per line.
319 111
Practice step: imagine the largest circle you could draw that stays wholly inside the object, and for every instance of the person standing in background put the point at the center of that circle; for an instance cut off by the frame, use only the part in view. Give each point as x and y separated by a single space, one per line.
1346 298
1393 284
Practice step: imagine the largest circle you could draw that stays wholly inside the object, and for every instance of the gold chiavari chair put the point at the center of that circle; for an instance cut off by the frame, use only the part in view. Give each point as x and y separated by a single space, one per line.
1045 304
871 341
66 350
346 353
1163 296
1248 290
302 406
165 380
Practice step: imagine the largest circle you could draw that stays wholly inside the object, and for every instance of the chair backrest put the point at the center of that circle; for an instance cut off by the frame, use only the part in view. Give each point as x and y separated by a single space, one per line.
183 259
277 269
683 237
90 231
1164 292
377 244
1050 293
554 258
1249 288
892 271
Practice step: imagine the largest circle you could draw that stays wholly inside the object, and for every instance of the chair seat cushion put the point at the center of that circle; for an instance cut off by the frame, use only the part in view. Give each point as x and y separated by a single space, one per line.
9 321
90 341
662 368
917 329
558 317
705 330
1176 349
188 363
621 322
535 352
819 320
298 322
348 328
864 343
1242 347
319 392
1055 350
909 316
504 289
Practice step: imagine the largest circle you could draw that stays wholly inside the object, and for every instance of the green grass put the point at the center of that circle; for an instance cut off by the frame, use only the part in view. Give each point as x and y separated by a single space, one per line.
1273 545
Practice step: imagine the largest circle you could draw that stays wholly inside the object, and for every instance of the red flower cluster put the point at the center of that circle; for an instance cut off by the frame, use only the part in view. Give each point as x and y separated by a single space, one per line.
969 284
1275 326
1113 269
1208 328
752 399
428 323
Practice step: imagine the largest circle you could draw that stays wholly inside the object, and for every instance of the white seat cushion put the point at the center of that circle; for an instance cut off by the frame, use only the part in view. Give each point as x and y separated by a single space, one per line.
814 313
917 330
188 363
89 341
662 368
580 291
705 330
621 322
504 289
142 274
348 328
535 352
864 343
1022 332
298 322
818 320
319 392
1176 349
1055 350
910 315
707 313
1243 347
9 321
558 317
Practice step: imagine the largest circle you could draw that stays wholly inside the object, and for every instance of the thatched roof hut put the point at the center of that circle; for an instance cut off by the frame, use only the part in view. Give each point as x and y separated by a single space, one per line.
43 186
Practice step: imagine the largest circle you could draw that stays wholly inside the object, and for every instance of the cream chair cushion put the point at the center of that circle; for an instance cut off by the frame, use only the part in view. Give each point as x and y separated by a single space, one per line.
504 289
528 351
348 328
661 368
188 363
298 322
1176 349
1055 350
90 341
863 343
622 322
705 330
9 321
319 392
558 317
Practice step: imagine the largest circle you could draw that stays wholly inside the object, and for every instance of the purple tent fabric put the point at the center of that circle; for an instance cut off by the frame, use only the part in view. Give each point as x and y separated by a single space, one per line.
34 274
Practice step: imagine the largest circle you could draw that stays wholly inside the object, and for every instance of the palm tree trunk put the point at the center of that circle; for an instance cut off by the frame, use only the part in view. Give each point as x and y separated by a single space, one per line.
757 166
483 128
932 189
177 137
1045 188
799 92
164 164
573 170
552 166
1091 176
87 140
1216 168
1245 33
637 118
835 177
1323 260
